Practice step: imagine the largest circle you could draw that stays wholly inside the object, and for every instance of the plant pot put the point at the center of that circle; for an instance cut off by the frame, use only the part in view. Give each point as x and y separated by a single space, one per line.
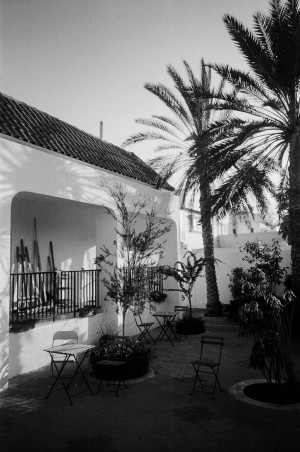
190 326
286 393
158 297
127 372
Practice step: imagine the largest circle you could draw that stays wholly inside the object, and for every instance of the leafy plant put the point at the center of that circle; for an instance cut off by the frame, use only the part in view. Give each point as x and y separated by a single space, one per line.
136 355
117 351
186 274
265 316
236 278
127 284
157 296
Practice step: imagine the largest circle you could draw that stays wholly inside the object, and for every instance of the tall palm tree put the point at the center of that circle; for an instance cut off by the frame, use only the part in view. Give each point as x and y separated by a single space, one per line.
268 99
189 144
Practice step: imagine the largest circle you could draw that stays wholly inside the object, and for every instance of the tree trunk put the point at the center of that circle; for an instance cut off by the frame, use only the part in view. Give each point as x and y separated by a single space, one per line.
294 211
213 305
294 233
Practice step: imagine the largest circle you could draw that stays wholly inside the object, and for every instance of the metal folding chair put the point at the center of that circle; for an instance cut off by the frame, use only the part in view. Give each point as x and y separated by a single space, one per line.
181 312
211 346
106 367
144 328
65 337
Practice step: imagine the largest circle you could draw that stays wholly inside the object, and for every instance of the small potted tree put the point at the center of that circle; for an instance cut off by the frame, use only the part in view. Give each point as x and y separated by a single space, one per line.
126 279
186 275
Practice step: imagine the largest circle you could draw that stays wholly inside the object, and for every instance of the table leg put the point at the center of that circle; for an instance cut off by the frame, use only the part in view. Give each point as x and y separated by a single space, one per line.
79 369
170 321
59 377
164 332
161 334
168 327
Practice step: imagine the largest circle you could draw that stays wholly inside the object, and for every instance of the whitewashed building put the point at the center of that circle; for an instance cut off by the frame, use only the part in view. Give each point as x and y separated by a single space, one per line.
53 219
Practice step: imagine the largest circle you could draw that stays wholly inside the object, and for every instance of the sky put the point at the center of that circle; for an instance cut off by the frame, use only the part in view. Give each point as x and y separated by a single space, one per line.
86 61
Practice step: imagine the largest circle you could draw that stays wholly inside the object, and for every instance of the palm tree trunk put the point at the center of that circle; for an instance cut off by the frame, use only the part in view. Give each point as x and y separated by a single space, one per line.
294 211
213 305
294 233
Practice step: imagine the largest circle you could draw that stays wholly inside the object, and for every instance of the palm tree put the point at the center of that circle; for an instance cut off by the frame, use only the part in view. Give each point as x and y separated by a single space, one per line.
189 143
267 98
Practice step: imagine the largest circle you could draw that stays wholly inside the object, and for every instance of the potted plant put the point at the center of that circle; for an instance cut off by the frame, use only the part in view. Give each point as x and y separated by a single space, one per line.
136 355
186 274
127 280
157 296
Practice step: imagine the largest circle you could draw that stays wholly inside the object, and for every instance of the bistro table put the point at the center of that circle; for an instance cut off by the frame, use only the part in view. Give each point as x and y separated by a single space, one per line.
78 353
166 319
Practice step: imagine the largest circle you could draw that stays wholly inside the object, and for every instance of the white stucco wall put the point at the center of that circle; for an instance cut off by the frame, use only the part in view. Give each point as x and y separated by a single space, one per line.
239 240
26 348
75 221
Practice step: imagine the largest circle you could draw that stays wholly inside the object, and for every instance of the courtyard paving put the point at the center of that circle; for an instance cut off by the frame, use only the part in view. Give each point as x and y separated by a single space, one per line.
155 414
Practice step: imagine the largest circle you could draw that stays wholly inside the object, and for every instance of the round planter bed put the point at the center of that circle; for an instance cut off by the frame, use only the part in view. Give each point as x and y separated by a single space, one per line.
190 325
260 393
128 371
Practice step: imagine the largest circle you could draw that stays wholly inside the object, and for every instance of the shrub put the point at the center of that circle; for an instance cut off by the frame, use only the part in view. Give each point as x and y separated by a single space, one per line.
265 316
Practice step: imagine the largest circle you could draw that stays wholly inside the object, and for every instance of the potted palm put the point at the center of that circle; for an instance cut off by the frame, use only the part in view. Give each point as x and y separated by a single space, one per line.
186 274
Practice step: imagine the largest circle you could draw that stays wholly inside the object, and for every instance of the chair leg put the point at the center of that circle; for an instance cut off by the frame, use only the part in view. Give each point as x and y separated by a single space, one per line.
197 377
150 335
143 335
216 383
110 384
124 384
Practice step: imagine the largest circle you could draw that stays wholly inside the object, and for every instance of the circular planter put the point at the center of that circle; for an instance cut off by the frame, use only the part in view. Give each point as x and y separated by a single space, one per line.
190 326
282 394
260 393
127 372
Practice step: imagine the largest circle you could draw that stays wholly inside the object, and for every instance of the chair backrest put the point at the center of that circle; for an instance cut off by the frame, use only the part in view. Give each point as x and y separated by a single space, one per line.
70 336
213 347
181 311
137 318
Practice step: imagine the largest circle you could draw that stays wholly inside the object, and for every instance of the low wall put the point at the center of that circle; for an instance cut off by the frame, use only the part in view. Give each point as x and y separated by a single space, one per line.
26 348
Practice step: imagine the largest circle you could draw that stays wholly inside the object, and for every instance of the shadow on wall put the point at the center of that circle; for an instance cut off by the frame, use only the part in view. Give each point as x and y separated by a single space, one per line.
4 338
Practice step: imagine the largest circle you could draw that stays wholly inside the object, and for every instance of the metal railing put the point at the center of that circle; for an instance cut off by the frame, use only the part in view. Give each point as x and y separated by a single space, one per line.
40 295
152 277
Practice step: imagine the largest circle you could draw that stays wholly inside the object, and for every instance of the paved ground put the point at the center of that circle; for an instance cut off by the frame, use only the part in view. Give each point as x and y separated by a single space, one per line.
157 414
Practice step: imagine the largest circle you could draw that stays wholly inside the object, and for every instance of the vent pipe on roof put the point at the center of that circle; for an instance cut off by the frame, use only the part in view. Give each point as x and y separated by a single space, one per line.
101 130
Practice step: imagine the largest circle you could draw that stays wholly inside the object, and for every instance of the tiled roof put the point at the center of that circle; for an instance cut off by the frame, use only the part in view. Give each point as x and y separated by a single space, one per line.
26 123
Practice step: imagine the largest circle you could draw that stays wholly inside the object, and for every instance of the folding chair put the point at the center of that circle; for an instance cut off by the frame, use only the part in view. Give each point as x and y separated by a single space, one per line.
106 367
181 312
66 337
144 328
211 346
